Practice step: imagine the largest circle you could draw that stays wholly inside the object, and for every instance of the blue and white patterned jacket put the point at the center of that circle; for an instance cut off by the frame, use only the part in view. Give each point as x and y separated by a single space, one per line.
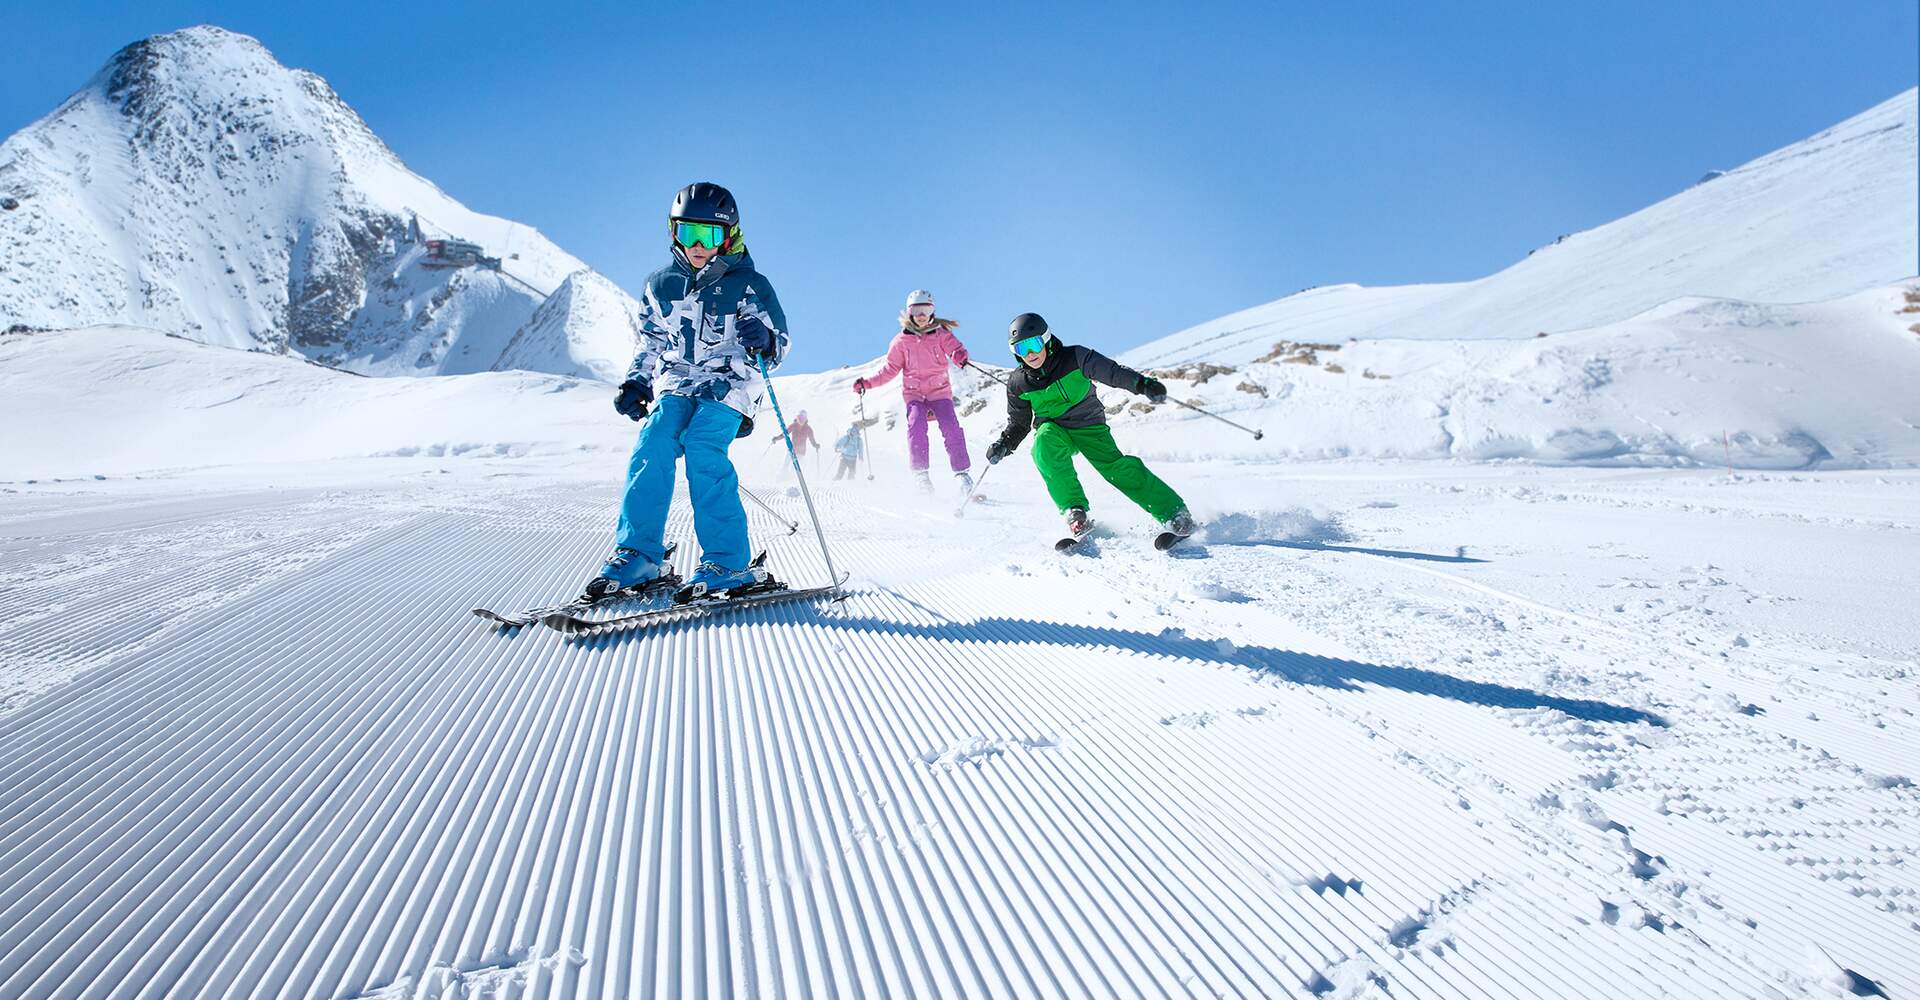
688 346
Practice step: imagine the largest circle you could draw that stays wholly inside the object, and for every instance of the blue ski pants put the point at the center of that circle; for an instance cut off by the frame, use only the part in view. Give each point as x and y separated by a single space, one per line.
702 430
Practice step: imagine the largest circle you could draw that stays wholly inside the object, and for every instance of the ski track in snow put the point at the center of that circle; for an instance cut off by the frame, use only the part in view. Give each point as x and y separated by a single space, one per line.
1304 755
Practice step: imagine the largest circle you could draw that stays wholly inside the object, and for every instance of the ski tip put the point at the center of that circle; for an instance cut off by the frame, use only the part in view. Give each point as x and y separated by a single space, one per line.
1167 539
1066 544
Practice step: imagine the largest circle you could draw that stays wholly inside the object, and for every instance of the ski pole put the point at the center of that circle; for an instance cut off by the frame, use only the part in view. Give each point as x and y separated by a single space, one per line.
792 526
985 372
1257 435
865 452
805 493
965 500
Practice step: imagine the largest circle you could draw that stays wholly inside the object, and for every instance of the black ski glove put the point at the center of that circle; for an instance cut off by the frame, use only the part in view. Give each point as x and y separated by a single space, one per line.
755 337
997 451
1152 388
633 399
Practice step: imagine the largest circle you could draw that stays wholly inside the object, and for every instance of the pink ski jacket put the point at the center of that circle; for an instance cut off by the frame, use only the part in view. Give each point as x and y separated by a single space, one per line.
921 359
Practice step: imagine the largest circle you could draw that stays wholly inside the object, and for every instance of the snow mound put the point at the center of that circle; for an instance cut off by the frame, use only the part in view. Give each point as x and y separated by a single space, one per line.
114 401
1691 383
1295 525
586 328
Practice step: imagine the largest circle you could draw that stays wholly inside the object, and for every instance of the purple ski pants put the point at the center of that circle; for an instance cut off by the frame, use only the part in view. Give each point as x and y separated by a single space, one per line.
950 432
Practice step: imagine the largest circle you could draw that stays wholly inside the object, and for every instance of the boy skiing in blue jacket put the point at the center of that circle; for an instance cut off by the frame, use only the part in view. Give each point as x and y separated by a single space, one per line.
706 321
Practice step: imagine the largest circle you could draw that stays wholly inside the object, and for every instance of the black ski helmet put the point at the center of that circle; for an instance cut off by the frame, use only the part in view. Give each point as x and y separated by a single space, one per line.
1026 325
705 201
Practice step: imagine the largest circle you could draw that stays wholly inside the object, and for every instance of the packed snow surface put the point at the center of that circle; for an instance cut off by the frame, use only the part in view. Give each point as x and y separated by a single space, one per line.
1383 728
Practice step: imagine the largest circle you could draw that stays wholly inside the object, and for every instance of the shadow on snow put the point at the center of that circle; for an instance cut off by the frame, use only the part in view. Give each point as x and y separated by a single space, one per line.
1286 665
1459 554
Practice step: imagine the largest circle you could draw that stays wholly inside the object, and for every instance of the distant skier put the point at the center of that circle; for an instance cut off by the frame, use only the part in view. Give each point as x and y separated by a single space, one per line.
922 350
706 319
803 437
801 434
848 448
1052 390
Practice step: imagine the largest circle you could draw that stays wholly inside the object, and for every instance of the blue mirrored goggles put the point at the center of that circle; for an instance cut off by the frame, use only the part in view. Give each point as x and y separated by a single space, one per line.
1029 345
699 234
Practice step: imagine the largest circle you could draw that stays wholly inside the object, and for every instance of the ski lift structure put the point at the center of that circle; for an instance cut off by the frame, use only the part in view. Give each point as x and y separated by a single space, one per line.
448 252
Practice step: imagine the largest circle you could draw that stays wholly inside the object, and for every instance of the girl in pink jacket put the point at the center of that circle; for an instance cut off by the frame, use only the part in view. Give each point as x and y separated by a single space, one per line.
920 354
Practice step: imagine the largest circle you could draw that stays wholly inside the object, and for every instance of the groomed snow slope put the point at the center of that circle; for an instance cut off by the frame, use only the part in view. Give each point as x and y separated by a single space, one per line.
1511 732
1408 729
1823 218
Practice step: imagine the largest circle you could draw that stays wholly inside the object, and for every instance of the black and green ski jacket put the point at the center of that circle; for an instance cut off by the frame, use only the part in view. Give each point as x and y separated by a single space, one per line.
1061 391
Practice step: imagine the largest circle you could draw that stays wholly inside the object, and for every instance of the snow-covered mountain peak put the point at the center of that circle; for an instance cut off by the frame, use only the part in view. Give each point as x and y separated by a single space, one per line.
172 86
197 186
1822 218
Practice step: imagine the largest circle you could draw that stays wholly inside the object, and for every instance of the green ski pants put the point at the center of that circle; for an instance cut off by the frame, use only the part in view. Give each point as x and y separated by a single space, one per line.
1054 447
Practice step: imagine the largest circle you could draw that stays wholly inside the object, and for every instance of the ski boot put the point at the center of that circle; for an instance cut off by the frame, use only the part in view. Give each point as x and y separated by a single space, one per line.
625 568
713 580
966 484
1078 524
1176 530
926 481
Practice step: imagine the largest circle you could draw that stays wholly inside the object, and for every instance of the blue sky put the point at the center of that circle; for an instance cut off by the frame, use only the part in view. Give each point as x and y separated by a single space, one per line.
1125 170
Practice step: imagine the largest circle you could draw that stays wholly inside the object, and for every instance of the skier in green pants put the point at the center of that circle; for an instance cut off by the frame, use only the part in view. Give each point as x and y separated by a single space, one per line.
1053 391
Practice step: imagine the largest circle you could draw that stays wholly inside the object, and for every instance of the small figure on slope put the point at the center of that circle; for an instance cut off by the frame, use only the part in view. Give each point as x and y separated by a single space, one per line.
705 321
920 353
1052 390
801 434
848 448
